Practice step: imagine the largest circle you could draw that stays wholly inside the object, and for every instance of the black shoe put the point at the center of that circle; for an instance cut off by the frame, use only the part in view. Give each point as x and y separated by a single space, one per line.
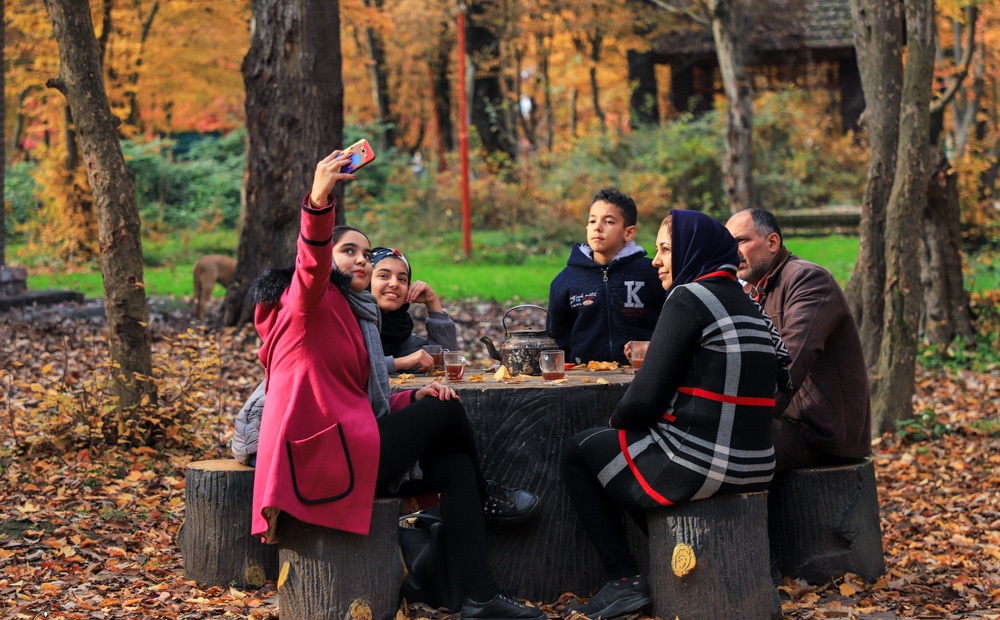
501 607
616 598
503 505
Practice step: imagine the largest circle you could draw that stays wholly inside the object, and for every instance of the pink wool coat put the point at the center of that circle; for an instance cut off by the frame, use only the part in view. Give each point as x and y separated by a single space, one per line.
318 450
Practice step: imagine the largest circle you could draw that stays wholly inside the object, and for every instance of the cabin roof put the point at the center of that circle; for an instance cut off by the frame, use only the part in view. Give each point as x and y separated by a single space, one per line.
774 26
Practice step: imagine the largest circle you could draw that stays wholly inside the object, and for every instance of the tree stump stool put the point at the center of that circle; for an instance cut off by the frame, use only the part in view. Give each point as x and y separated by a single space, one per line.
824 522
708 559
215 540
332 575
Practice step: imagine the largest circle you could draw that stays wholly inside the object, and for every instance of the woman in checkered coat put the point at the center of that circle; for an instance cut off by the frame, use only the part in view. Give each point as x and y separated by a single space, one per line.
696 420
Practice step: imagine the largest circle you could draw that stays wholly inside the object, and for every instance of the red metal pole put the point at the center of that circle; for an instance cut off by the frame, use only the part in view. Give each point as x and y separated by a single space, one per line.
463 137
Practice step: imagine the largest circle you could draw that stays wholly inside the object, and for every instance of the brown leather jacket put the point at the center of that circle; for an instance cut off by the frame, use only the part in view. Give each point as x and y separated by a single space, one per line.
830 400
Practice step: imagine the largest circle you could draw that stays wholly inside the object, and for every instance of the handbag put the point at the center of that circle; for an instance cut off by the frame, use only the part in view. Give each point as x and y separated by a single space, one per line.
430 578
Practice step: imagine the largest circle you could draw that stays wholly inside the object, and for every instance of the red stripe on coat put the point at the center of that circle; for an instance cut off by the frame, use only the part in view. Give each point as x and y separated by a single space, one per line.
635 472
725 398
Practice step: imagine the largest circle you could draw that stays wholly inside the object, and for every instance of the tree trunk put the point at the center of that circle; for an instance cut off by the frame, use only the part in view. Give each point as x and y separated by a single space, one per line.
3 145
893 385
878 39
488 106
295 117
946 304
643 102
380 80
114 196
595 40
543 68
441 83
730 47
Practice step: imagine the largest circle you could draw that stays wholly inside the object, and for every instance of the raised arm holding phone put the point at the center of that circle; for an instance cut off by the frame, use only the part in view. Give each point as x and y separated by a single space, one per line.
332 436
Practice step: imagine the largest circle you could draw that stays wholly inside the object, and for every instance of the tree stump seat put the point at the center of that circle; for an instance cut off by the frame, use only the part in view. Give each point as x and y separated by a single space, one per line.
215 540
328 574
708 559
824 523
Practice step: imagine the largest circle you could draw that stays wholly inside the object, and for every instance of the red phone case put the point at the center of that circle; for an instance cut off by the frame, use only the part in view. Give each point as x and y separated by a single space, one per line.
361 155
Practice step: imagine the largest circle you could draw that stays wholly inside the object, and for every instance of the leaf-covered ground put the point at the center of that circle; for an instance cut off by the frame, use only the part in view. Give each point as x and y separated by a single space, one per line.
87 533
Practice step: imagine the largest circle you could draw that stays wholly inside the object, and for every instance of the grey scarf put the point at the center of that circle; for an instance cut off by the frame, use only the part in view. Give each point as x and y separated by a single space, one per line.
363 305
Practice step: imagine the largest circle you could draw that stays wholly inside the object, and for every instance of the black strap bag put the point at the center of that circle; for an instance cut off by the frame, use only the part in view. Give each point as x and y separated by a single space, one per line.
430 579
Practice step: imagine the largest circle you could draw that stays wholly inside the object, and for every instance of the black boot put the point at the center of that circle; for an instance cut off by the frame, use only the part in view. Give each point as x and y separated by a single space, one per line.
504 505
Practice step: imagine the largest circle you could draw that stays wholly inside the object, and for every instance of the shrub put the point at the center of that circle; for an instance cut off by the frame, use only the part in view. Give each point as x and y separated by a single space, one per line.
21 196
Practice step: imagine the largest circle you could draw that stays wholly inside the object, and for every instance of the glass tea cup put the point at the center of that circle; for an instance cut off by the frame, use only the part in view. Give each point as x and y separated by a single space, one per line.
454 366
435 351
637 352
553 364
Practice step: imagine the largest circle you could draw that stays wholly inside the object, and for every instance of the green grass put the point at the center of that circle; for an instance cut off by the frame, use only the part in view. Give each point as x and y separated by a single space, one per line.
505 266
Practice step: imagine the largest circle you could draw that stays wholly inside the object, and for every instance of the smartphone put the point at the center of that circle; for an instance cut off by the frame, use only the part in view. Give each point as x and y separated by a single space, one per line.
361 155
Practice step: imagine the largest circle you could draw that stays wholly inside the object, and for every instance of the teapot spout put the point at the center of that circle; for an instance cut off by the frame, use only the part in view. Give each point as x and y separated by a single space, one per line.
490 348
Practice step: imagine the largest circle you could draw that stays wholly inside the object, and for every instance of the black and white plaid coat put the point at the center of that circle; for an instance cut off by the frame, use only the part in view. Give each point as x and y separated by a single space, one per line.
696 420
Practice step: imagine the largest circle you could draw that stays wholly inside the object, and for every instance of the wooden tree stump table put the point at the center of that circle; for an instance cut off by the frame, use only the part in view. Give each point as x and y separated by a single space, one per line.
824 523
520 428
708 560
328 574
215 540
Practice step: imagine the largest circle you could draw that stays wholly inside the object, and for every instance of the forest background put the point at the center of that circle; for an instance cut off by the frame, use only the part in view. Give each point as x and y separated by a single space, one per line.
172 70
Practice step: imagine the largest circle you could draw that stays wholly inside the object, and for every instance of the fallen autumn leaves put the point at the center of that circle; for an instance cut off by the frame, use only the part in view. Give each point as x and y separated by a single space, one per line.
86 533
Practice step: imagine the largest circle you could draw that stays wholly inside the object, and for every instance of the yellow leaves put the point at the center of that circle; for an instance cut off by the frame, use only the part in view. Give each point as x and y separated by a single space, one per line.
283 575
847 589
27 508
476 378
501 374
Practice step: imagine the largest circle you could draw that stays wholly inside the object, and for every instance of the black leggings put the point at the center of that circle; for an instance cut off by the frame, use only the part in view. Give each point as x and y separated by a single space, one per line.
437 433
599 512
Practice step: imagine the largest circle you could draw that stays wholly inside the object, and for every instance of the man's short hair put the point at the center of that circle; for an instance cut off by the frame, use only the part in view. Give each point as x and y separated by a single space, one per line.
624 203
765 223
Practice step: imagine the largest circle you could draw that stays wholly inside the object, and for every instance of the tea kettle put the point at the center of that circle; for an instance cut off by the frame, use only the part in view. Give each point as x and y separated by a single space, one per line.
521 348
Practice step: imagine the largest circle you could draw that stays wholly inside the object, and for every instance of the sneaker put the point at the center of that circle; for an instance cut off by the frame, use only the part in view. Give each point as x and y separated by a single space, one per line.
504 505
501 607
616 598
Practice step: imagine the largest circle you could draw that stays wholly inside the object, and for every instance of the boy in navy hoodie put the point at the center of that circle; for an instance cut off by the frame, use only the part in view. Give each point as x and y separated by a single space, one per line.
609 292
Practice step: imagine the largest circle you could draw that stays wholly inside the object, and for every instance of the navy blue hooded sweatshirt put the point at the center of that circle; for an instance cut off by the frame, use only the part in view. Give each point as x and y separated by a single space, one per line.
595 309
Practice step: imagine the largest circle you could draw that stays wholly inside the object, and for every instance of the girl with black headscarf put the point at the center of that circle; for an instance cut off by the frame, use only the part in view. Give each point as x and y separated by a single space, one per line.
695 421
394 290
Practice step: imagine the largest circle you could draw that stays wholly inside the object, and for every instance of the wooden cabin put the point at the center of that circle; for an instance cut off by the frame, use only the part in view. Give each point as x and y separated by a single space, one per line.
808 43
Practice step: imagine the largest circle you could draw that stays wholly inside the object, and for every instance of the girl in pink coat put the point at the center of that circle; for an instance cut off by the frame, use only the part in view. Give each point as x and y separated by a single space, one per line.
332 437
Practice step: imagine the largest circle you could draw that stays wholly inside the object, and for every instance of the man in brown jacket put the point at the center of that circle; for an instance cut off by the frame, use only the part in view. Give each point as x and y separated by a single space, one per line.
826 419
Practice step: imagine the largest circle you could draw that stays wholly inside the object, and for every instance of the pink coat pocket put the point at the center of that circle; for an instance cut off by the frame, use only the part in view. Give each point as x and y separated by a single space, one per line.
321 466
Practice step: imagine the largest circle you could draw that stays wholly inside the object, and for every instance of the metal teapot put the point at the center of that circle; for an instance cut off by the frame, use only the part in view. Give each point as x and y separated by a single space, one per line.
521 348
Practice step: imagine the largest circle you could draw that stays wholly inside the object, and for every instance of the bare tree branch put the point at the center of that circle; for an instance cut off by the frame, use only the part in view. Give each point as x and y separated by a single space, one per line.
962 68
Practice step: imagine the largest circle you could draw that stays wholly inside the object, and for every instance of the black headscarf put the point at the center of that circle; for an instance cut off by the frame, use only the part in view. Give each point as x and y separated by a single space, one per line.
397 325
700 245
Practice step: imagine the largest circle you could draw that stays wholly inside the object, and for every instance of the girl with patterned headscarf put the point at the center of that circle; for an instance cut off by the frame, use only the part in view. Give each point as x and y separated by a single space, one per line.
394 290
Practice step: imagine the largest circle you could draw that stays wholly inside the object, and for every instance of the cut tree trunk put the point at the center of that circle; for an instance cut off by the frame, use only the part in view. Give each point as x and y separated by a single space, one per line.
730 577
295 117
216 542
328 574
823 522
117 212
